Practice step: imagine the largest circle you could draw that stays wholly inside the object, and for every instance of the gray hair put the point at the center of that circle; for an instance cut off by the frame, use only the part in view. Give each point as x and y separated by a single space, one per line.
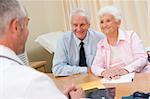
10 9
81 12
110 10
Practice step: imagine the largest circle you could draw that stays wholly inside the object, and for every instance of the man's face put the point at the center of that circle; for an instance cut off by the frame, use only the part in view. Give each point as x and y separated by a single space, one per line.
22 35
80 26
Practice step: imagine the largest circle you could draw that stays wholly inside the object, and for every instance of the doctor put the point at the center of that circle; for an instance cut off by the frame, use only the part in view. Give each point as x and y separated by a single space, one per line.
16 79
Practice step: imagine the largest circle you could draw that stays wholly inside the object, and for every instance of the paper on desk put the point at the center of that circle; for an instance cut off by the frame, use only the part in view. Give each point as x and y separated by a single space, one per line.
93 84
123 79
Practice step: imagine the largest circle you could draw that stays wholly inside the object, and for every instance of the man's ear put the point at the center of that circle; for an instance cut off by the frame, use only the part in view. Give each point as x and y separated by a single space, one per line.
89 25
14 26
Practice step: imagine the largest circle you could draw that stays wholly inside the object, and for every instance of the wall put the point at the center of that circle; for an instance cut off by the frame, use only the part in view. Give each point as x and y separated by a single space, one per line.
44 17
134 12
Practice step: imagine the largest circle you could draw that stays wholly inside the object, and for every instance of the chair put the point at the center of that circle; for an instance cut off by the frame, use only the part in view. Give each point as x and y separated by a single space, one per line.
39 65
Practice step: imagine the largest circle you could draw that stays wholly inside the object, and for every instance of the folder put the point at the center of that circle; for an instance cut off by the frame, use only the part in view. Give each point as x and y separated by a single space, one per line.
91 85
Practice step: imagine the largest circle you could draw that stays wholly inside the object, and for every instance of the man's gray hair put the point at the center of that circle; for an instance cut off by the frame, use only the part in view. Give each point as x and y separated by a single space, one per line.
10 9
110 10
81 12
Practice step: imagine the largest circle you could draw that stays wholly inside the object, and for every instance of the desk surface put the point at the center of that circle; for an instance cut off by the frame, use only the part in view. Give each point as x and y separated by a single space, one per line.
141 82
38 64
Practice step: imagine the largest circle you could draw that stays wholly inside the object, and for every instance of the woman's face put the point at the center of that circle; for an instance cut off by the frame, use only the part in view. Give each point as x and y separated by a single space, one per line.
109 24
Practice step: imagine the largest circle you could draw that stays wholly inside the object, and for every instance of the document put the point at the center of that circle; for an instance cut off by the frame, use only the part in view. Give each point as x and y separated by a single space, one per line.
123 79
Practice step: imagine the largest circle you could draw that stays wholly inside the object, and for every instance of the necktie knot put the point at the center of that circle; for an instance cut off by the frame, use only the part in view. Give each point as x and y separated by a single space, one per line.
81 43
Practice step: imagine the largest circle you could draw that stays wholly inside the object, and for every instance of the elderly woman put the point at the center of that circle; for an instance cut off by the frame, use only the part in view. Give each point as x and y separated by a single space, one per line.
121 52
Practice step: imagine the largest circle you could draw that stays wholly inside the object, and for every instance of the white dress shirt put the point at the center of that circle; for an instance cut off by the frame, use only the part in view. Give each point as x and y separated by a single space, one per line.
18 81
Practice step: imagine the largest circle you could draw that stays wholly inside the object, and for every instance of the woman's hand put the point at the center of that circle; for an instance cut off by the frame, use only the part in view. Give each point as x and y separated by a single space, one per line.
114 73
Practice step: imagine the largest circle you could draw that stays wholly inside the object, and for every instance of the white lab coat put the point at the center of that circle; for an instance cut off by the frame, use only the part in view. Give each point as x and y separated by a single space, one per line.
22 82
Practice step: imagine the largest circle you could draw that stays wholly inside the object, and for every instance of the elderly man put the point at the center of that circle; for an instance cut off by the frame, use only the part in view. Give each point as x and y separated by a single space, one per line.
76 50
18 81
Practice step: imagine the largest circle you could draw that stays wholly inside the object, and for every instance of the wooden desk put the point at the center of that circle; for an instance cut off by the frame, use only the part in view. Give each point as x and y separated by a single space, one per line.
141 82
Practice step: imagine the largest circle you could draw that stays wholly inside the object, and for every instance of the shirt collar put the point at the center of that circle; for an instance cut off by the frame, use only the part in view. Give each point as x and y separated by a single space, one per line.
7 52
121 36
85 41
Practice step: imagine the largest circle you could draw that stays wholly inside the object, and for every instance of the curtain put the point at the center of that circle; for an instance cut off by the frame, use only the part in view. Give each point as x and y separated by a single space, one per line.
136 14
148 26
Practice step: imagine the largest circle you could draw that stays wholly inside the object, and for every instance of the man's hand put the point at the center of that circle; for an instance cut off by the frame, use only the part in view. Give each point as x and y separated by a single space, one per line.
74 92
77 94
89 70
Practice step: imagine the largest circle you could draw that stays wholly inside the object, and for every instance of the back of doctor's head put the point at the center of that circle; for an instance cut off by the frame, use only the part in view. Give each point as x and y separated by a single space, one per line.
9 10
